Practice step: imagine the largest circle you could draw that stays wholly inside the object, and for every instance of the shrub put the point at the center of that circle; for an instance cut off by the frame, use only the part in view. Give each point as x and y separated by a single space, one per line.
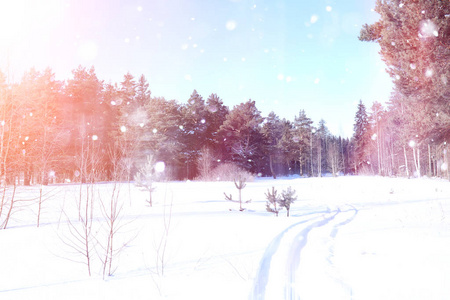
229 172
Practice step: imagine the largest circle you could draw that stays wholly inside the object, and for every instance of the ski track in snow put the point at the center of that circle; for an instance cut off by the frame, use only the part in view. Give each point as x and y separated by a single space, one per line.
275 278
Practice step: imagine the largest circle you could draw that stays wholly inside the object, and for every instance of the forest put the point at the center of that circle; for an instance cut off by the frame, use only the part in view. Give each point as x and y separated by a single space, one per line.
86 130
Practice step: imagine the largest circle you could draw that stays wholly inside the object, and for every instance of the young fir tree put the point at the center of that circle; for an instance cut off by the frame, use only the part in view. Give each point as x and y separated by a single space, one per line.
272 200
240 183
146 176
287 198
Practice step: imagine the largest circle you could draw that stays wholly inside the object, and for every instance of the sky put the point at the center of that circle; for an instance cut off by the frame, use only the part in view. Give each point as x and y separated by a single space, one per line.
285 55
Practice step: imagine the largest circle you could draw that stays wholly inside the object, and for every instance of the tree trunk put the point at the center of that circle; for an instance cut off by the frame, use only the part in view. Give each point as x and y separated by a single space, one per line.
416 160
430 170
406 161
271 167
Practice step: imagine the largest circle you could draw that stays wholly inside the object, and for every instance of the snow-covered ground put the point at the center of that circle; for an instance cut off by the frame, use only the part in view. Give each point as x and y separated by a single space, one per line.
346 238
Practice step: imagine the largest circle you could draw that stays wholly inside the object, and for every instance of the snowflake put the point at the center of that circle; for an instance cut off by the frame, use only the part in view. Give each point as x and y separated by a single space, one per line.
314 19
231 25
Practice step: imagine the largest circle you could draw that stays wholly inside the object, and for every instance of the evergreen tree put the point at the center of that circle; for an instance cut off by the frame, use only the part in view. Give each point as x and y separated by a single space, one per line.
287 198
414 37
272 200
163 134
195 130
241 135
272 131
322 136
143 93
286 146
39 93
302 137
216 114
84 118
361 135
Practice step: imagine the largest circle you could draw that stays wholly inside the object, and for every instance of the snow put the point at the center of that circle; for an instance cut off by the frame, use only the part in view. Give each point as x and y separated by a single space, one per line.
346 238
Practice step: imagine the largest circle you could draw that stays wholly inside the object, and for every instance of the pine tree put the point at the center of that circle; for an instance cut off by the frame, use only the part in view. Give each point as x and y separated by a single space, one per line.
322 136
286 146
146 176
272 200
302 137
163 133
84 118
361 135
272 131
287 198
194 127
216 114
241 136
414 37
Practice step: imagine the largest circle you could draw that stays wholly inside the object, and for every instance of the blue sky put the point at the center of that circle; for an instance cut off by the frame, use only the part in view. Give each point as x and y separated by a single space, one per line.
285 55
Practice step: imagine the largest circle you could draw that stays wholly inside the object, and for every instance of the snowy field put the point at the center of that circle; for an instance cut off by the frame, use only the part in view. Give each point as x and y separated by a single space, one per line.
346 238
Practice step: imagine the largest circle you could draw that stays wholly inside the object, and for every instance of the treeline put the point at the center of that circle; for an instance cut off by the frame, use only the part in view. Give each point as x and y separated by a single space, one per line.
84 129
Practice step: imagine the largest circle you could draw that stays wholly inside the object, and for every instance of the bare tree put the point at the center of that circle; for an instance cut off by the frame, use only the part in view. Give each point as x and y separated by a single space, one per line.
205 163
112 210
161 245
80 237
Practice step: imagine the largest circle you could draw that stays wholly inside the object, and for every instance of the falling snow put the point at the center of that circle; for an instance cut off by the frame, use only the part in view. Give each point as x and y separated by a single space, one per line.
428 29
314 19
231 25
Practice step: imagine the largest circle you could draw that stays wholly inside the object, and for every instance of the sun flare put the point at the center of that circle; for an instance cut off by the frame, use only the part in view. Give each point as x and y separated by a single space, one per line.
20 18
12 18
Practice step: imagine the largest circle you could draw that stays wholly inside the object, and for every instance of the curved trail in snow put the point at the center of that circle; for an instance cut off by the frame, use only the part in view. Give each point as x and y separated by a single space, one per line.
276 277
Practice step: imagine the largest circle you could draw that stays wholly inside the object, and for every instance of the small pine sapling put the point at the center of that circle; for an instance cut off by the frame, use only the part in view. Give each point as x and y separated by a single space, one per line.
145 177
287 198
240 183
272 200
